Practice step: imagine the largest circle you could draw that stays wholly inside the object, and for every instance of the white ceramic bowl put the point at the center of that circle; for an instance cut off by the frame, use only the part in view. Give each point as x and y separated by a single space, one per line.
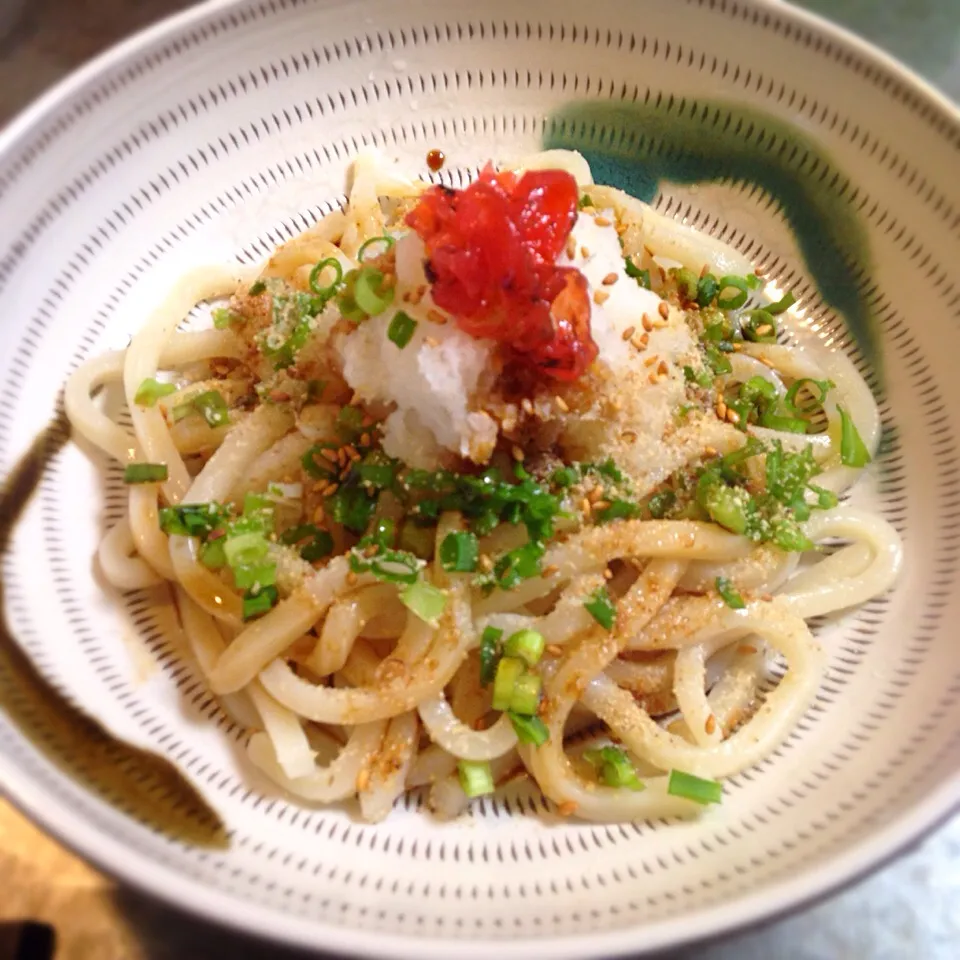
217 134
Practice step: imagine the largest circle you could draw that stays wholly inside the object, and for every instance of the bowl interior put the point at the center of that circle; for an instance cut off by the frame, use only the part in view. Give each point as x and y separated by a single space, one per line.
219 136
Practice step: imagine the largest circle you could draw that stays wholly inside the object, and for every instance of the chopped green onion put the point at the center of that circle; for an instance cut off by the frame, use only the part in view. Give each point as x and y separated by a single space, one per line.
759 326
853 451
401 329
618 510
641 276
212 554
716 361
210 404
689 787
526 694
701 378
254 574
222 318
377 470
773 421
707 289
425 600
729 594
509 671
601 608
753 281
245 549
564 477
319 542
331 288
476 777
528 645
386 240
489 654
145 473
352 507
660 504
738 299
787 301
530 730
686 281
758 389
192 519
258 288
820 387
459 552
826 499
585 202
614 767
387 564
728 506
369 292
519 564
150 391
256 604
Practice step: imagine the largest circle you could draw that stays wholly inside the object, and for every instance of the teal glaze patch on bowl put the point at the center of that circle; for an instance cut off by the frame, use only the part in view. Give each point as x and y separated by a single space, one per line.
636 146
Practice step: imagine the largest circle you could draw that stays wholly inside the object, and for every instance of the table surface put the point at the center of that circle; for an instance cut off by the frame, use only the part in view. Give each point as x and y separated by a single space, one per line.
907 911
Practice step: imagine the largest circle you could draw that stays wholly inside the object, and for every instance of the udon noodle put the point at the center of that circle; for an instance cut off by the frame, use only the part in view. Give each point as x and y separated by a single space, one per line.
420 542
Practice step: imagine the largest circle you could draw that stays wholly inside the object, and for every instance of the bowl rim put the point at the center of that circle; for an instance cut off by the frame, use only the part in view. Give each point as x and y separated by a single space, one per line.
754 909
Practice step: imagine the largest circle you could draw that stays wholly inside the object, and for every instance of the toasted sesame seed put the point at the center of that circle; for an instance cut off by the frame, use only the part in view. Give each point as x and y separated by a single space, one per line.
584 252
600 297
653 379
585 505
595 494
647 323
737 347
766 597
571 247
721 409
431 342
607 574
601 505
550 570
364 439
527 405
651 360
351 579
628 333
332 489
363 779
603 222
554 649
279 396
610 279
711 724
561 403
318 515
746 649
517 453
709 451
351 451
435 316
732 415
759 271
567 809
662 368
663 309
644 340
486 563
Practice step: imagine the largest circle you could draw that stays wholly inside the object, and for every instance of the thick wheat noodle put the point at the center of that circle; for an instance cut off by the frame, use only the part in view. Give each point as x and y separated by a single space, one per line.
782 631
549 765
291 749
119 563
454 637
389 769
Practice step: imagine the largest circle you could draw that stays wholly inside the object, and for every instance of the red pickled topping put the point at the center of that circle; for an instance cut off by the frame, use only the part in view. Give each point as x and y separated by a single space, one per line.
491 260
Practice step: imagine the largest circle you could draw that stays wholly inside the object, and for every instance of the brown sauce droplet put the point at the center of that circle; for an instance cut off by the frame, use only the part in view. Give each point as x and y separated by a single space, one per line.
141 784
435 160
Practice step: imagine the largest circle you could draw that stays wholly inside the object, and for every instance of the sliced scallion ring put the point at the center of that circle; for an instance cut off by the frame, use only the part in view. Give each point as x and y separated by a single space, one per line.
331 288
